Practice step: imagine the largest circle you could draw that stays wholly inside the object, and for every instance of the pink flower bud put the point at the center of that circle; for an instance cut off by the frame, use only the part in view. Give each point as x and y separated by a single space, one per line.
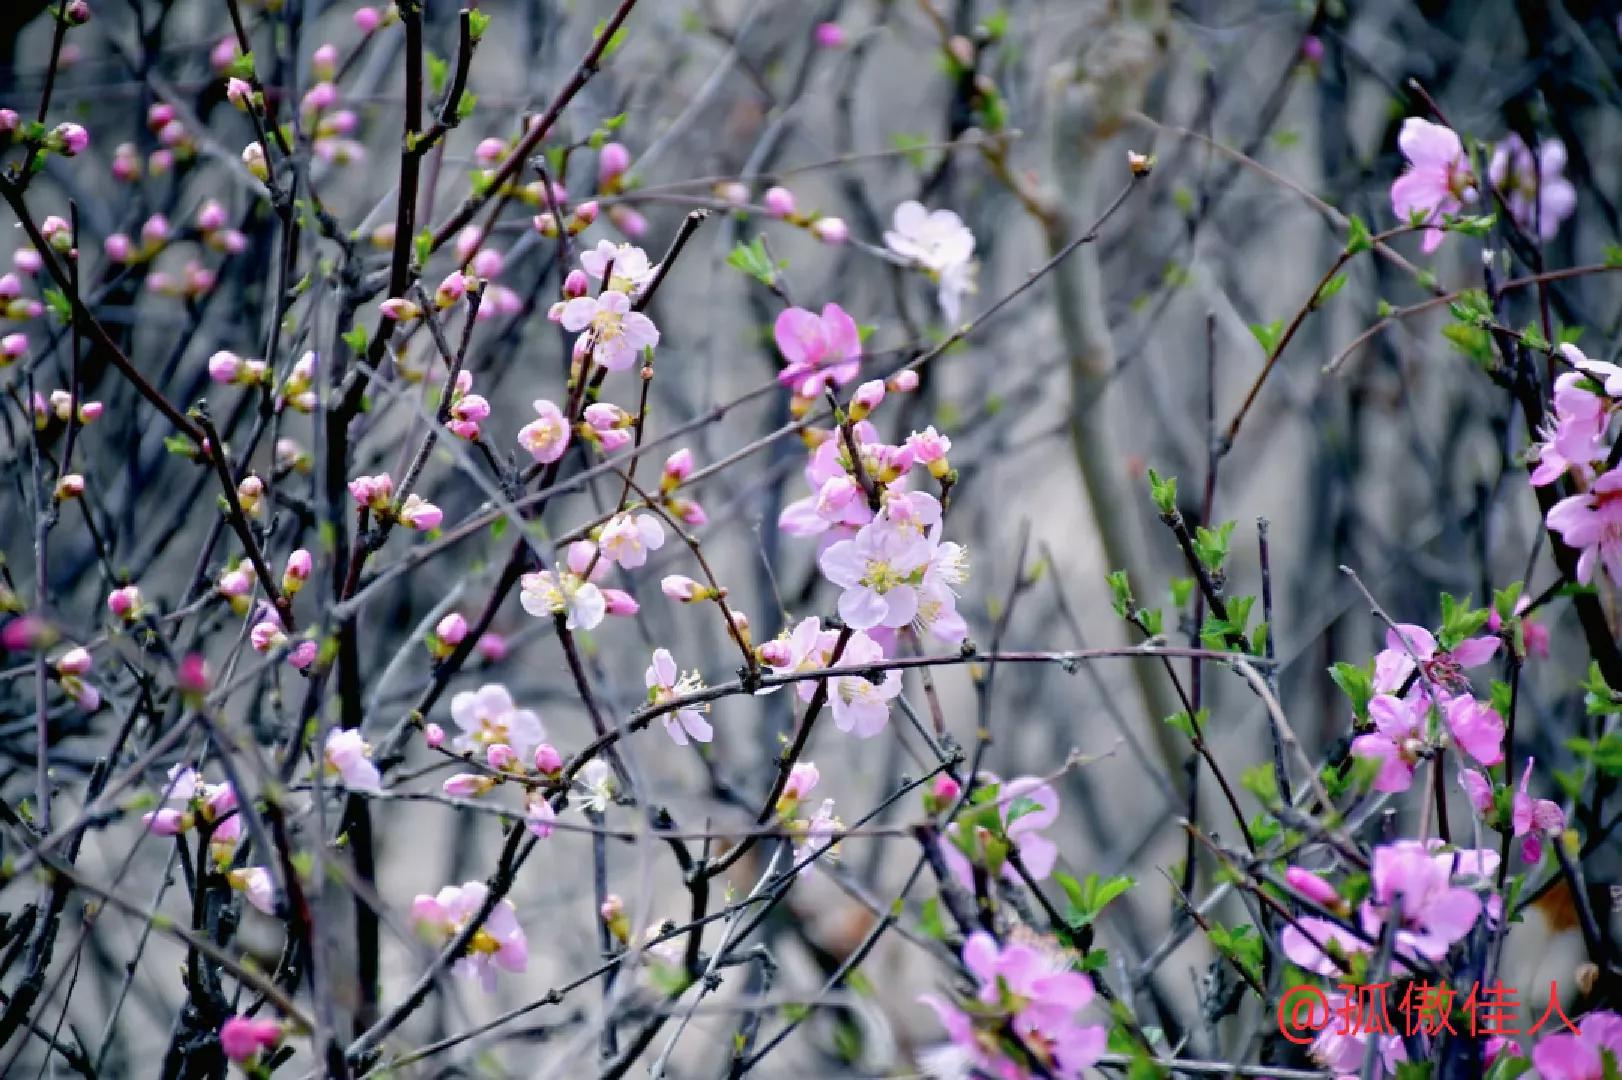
90 411
11 287
452 289
830 230
628 221
235 583
904 382
733 192
493 647
585 215
489 152
125 602
324 62
118 248
242 1037
223 54
548 762
400 309
468 785
211 216
173 134
946 790
678 467
58 233
224 366
76 661
13 347
1312 49
605 416
253 156
165 822
488 263
577 284
70 486
1311 886
500 756
319 98
433 735
303 654
452 629
830 35
367 19
780 202
612 162
546 225
684 589
192 675
238 92
155 232
69 139
9 120
619 603
78 12
299 566
868 396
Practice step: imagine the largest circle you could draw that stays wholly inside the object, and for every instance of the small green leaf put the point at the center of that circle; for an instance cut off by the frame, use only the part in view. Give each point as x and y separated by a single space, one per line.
1268 334
1357 236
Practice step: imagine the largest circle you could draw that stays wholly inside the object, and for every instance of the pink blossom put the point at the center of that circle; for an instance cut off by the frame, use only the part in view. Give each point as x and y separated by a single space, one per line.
1437 181
1537 193
1407 644
546 437
627 265
808 647
452 629
1435 912
1342 1047
499 942
374 492
1580 1056
488 716
627 539
1478 789
819 349
433 735
1396 741
367 19
468 785
861 707
417 513
238 92
683 589
69 139
303 654
802 780
165 822
879 571
1026 805
1476 728
350 758
1575 436
125 602
492 646
1591 522
547 593
830 35
868 396
619 603
1534 819
664 685
242 1037
819 834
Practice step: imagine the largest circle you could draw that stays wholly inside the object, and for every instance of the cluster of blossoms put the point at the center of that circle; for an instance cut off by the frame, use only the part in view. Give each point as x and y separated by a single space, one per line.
1439 181
512 745
376 494
1415 680
1022 1017
1006 822
1576 444
193 803
498 944
817 835
572 590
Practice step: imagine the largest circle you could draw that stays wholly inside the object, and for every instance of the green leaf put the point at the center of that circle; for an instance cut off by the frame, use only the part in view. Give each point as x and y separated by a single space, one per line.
1121 593
439 71
930 922
1268 334
1211 545
241 67
1164 492
465 106
355 337
59 304
1189 725
423 246
1182 591
753 259
498 527
478 22
1330 288
1260 782
1357 236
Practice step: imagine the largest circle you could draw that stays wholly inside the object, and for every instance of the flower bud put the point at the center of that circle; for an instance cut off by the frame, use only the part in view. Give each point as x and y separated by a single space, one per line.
576 285
903 382
612 162
58 234
400 309
943 793
493 647
367 19
125 602
303 654
452 289
830 35
76 661
614 917
253 156
684 589
830 230
628 221
433 735
452 629
78 12
780 202
251 494
68 139
678 467
866 399
1312 886
68 487
500 756
324 62
733 192
239 92
13 347
548 762
468 785
224 366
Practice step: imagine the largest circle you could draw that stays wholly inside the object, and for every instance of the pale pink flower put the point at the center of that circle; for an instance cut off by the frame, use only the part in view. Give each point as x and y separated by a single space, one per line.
1476 728
488 716
627 539
546 593
628 267
499 942
940 244
1342 1047
349 757
433 735
1591 522
1435 912
539 817
1397 741
1575 437
416 513
1437 182
879 571
665 685
860 707
616 333
820 349
1536 191
818 834
808 647
546 437
594 787
802 780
